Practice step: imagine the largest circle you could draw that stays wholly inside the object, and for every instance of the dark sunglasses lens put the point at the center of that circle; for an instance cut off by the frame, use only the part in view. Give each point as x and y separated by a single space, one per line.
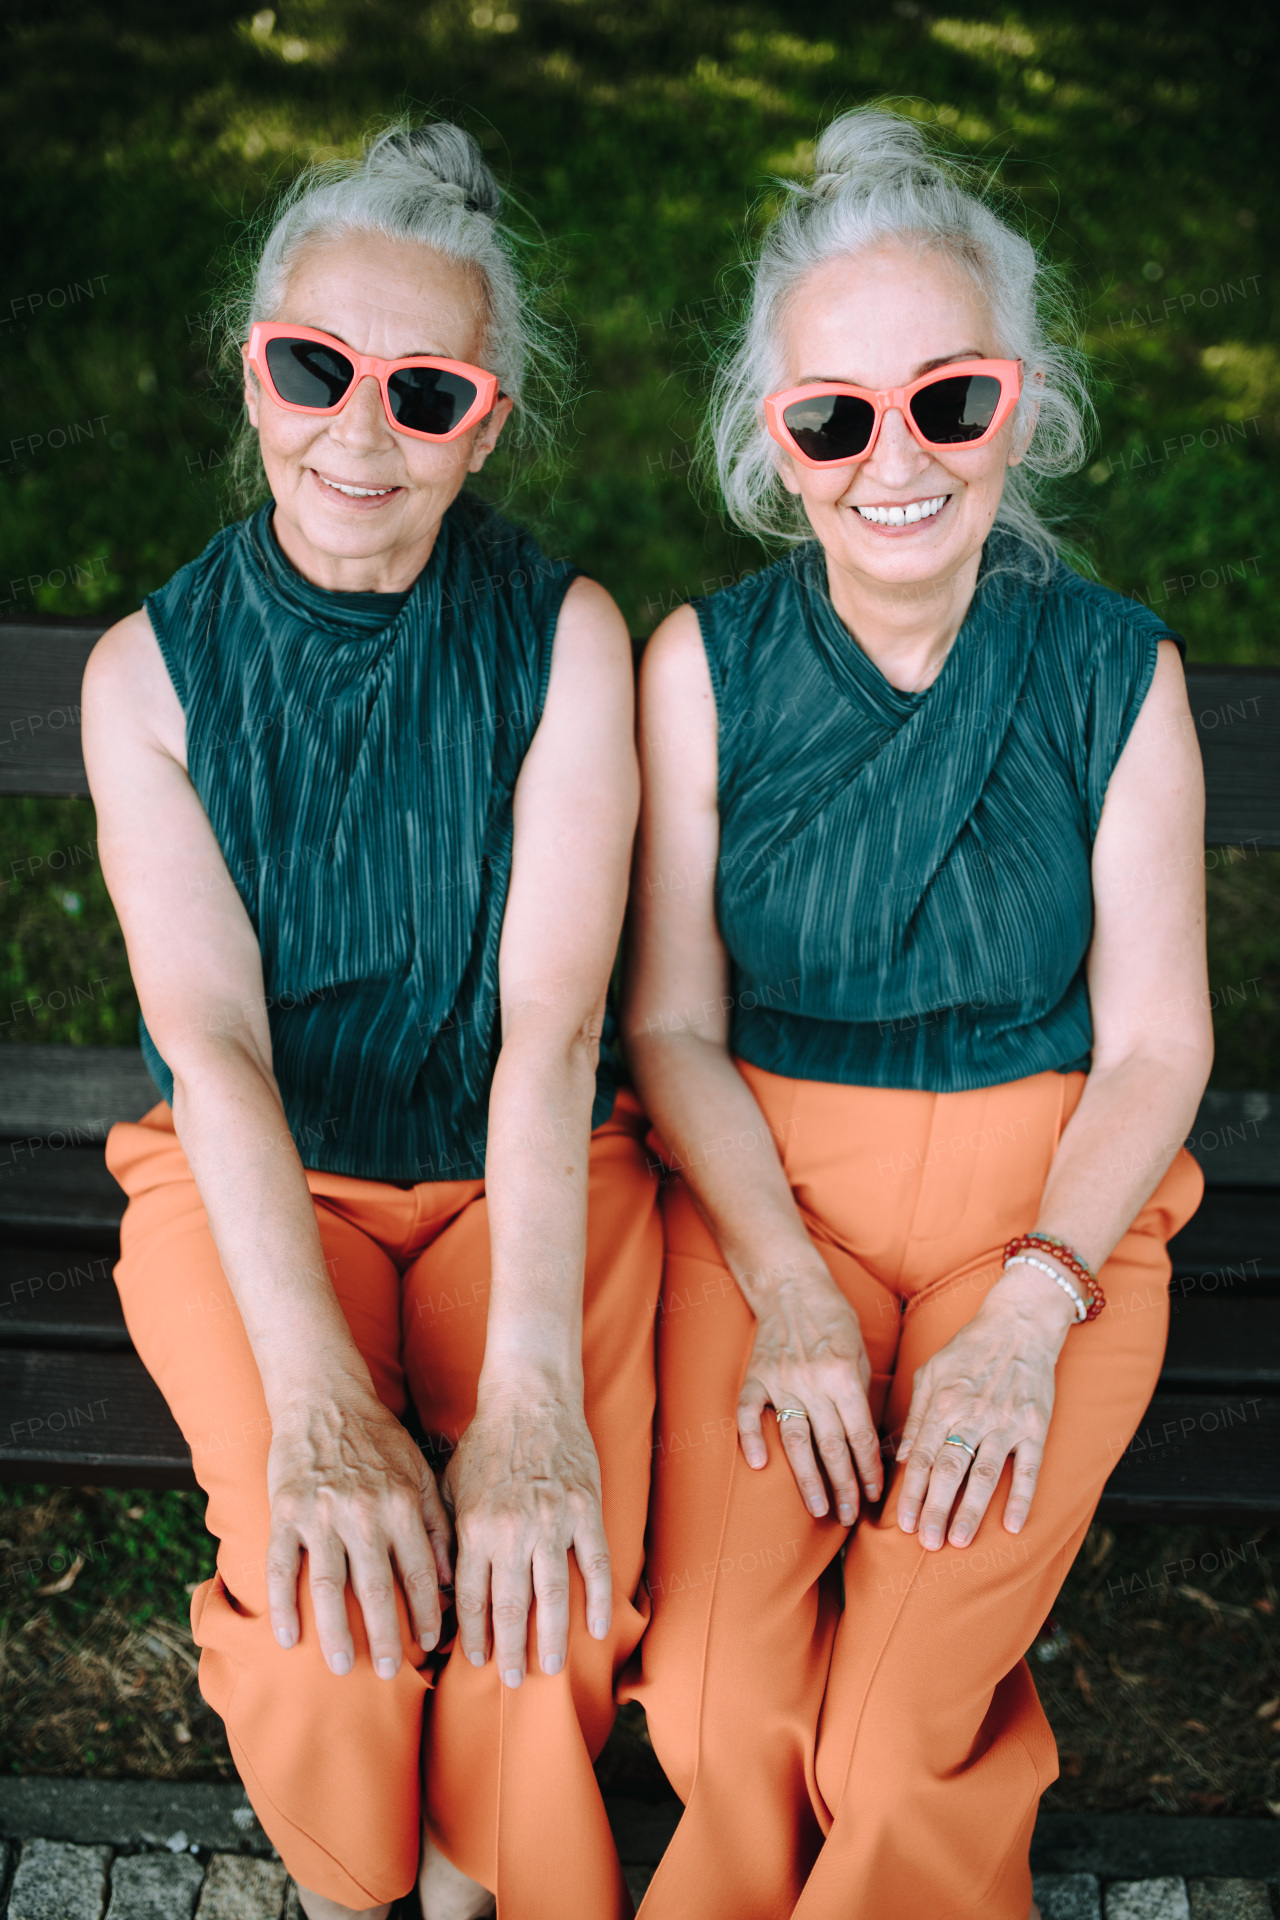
429 400
307 374
952 411
830 426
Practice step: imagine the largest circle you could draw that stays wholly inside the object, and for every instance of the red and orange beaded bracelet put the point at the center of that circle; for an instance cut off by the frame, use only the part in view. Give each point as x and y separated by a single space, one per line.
1066 1257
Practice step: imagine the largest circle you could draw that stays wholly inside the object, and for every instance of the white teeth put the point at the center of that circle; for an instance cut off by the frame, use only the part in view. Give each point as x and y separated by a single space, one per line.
905 516
357 493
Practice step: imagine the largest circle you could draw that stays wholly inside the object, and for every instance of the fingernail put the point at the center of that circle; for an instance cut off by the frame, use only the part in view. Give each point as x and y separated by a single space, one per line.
286 1637
429 1641
930 1537
552 1663
340 1663
512 1677
960 1538
846 1516
1015 1526
386 1669
599 1628
476 1659
817 1507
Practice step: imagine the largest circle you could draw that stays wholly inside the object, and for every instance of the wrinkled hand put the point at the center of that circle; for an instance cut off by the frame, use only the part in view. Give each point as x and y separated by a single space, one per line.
348 1484
524 1485
992 1384
808 1353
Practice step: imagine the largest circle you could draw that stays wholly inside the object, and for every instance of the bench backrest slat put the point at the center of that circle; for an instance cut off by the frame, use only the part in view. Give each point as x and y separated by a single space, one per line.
1236 710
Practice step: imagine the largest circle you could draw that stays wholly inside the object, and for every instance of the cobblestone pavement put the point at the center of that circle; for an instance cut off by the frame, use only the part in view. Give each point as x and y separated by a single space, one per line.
57 1880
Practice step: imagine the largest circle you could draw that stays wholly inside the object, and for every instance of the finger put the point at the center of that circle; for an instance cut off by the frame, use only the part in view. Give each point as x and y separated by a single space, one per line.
591 1551
979 1487
928 1451
797 1444
945 1482
373 1583
283 1554
511 1597
827 1436
327 1578
437 1518
551 1590
751 1404
1027 1459
418 1569
471 1601
917 1414
864 1443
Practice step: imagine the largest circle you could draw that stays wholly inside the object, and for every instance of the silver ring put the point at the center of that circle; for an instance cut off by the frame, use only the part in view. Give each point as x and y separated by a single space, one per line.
954 1440
789 1413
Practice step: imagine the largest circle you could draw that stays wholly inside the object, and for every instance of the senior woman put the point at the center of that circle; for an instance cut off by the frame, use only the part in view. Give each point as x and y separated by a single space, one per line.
366 793
916 1005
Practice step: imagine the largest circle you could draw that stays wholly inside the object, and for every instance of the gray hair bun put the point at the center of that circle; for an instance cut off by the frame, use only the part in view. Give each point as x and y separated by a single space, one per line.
862 151
438 158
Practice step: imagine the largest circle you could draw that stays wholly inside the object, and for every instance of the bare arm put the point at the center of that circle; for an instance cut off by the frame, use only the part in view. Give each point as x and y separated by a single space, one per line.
525 1480
1153 1044
197 967
809 1350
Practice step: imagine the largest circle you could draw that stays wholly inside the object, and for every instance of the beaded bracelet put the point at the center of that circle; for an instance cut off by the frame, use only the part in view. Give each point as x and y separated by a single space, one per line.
1029 1260
1066 1257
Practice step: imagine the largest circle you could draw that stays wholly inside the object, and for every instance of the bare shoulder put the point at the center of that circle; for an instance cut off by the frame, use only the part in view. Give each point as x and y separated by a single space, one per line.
679 751
1162 750
128 697
674 667
591 623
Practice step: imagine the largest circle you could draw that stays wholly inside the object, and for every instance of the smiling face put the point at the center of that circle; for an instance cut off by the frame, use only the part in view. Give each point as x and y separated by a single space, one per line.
879 320
358 505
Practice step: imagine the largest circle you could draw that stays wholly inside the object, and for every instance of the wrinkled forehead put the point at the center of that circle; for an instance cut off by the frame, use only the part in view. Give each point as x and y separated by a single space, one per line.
387 296
878 317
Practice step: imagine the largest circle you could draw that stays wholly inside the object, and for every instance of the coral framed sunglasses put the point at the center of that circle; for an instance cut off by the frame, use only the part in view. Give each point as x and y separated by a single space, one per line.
963 404
425 397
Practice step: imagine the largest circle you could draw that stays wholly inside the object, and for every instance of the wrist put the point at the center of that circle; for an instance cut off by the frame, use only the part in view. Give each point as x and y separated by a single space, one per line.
771 1276
326 1380
526 1379
1033 1297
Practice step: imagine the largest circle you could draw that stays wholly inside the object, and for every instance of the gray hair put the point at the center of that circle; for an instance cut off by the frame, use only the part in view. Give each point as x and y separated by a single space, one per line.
877 179
431 185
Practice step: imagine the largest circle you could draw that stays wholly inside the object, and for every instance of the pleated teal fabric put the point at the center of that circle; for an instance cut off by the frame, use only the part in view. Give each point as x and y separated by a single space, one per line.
904 879
357 756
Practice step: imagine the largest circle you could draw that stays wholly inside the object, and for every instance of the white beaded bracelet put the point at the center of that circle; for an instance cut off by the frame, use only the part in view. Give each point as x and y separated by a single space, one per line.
1042 1266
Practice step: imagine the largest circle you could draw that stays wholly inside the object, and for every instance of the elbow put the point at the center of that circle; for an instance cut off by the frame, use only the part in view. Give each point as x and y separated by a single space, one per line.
201 1061
549 1048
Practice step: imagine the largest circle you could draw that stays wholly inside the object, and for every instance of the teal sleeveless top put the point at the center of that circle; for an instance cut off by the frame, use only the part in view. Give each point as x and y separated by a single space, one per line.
904 884
357 756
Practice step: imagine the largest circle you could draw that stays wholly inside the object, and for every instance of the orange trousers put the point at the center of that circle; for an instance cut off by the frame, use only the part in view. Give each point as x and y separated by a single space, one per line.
881 1759
332 1764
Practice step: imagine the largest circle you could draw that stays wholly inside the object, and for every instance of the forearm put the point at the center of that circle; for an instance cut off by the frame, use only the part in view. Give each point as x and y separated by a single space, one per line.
233 1129
1118 1145
723 1148
536 1171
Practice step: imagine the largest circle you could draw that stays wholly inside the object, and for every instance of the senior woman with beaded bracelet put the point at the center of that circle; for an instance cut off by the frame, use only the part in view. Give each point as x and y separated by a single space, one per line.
916 1002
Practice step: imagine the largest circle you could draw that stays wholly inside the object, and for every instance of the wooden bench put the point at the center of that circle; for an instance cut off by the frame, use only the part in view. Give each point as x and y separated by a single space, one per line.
78 1406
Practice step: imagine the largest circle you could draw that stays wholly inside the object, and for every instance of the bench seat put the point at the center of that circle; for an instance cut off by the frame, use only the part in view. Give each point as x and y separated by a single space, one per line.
79 1407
